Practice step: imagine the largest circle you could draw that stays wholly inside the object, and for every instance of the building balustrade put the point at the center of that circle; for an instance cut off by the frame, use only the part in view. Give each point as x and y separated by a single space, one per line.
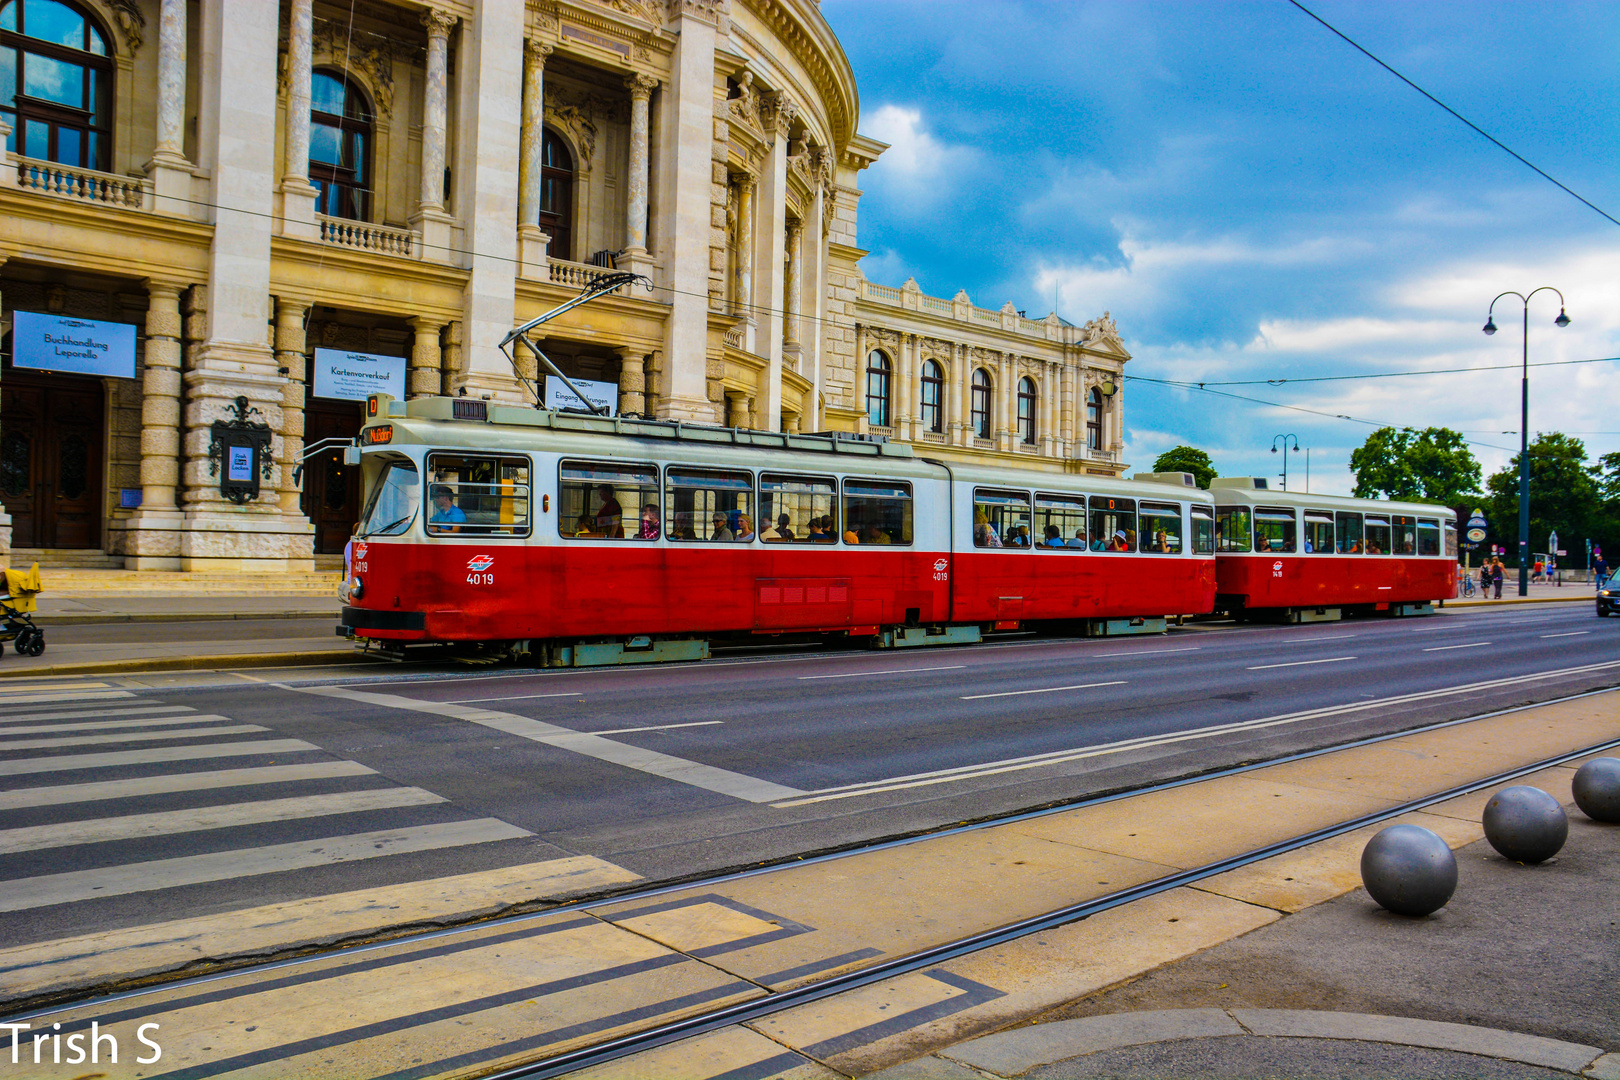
84 185
382 239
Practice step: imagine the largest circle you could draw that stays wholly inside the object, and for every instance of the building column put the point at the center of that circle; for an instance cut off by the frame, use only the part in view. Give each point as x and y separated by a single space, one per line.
1066 422
169 169
635 256
792 341
746 187
291 316
956 388
632 381
297 195
1047 436
431 221
903 375
532 240
653 383
424 374
1006 420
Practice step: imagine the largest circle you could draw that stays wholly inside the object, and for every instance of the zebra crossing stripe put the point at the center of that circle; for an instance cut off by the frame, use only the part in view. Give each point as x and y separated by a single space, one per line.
27 894
128 736
15 698
26 716
154 755
92 725
232 815
142 786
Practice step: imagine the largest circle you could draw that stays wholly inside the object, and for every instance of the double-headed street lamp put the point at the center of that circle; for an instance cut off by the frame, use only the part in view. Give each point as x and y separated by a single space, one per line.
1524 425
1283 439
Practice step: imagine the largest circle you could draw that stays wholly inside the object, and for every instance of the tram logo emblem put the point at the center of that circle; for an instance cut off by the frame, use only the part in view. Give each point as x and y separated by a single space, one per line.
940 564
479 563
360 550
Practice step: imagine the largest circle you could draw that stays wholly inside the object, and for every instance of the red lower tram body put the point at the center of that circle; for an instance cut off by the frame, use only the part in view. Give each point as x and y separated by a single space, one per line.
1264 582
494 592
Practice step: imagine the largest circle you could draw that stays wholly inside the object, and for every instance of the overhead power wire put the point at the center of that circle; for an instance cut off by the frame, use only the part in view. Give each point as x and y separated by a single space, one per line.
1472 126
1397 374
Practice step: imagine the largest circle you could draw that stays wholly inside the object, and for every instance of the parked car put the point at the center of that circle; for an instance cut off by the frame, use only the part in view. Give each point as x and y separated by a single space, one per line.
1608 598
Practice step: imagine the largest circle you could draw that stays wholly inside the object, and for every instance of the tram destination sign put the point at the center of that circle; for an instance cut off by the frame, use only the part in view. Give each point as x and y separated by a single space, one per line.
81 346
355 376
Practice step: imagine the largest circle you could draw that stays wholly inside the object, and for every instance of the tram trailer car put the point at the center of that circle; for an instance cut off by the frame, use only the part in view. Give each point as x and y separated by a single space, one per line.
1310 558
577 539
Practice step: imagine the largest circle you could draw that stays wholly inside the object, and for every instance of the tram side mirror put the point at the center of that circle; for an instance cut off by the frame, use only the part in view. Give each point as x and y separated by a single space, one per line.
351 455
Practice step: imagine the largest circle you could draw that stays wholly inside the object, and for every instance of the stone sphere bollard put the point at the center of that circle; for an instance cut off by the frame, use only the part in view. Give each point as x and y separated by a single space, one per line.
1525 824
1597 789
1409 870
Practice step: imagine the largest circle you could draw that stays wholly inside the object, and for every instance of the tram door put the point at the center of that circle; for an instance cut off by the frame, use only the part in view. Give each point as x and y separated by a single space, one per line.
331 497
51 459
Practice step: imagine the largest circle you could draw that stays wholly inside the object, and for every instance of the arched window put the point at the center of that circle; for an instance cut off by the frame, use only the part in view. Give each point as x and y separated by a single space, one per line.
1094 419
877 389
557 194
56 82
339 146
1026 411
981 403
933 395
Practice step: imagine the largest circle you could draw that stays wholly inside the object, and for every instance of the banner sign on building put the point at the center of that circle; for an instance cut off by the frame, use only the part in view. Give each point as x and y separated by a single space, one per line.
82 346
355 376
599 394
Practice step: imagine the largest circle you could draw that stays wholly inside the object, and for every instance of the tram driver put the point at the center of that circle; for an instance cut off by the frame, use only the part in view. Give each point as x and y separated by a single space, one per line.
446 514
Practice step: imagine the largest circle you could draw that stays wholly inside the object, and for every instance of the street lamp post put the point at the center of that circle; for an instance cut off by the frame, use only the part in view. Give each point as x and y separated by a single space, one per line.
1283 439
1524 422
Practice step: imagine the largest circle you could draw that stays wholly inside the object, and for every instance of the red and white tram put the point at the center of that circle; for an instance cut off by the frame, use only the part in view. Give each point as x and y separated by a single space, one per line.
1311 557
581 539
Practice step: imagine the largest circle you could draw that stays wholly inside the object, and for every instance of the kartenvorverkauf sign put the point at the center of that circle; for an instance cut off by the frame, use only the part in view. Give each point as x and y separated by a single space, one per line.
81 346
355 376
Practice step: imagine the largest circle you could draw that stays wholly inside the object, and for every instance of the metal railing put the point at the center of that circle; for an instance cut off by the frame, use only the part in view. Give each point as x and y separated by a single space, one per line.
85 185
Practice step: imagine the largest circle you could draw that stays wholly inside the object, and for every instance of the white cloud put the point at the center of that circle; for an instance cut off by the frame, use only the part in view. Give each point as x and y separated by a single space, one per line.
915 161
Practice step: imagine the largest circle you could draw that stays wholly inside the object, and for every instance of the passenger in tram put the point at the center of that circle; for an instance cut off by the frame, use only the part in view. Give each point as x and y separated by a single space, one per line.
745 529
582 527
783 527
682 527
1079 540
1054 537
1121 541
649 523
445 510
1161 542
815 535
850 535
609 516
720 532
1019 536
875 535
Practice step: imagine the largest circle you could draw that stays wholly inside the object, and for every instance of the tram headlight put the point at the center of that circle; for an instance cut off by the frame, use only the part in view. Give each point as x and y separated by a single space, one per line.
357 587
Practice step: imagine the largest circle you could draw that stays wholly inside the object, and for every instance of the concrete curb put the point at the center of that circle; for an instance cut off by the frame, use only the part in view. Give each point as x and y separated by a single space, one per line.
1011 1053
215 662
1590 598
77 618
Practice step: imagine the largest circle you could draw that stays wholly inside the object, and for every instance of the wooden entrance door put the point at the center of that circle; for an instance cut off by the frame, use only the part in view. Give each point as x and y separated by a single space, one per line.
331 497
51 459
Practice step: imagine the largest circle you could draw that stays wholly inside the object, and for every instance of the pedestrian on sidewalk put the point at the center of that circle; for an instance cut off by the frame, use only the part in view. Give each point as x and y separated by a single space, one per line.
1496 578
1600 571
1485 580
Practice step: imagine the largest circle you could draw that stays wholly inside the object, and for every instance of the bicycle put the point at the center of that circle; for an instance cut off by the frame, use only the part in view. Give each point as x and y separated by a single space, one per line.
1467 586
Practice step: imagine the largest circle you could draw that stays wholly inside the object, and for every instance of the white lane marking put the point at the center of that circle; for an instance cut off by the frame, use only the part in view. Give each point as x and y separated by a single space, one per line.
170 822
1314 640
63 698
104 725
25 717
1044 690
1567 633
657 727
1145 652
1299 663
885 671
1443 648
128 737
26 894
515 697
693 773
192 781
1058 757
64 762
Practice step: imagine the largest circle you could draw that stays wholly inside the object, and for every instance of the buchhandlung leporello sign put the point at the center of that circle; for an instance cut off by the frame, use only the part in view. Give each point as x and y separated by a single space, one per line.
80 346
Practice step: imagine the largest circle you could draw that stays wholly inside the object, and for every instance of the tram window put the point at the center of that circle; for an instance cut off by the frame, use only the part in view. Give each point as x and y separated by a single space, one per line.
602 500
1349 533
1319 532
477 495
1404 534
1203 530
1428 536
1113 524
1451 539
1275 529
796 509
1000 518
1377 535
716 505
1161 528
877 512
1232 528
394 500
1060 522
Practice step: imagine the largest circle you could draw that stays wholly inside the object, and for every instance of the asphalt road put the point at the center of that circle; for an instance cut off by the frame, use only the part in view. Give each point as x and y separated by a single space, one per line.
685 770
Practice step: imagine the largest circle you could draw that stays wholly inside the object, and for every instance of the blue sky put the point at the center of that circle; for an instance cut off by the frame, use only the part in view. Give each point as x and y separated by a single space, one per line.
1252 198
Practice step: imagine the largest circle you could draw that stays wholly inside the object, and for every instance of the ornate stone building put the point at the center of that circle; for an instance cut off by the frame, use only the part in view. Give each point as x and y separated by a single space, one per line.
249 181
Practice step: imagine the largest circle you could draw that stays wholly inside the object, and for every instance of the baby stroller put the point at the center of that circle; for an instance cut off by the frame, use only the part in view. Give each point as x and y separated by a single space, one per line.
18 589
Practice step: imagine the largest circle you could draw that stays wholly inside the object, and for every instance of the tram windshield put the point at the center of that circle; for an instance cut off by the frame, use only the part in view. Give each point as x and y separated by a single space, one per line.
394 501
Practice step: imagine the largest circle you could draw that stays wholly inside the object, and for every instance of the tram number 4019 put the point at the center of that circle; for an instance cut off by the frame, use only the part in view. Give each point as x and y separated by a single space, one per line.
480 579
479 572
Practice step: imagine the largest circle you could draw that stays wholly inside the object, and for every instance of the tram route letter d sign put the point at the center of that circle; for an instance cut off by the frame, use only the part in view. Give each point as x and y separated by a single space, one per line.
240 453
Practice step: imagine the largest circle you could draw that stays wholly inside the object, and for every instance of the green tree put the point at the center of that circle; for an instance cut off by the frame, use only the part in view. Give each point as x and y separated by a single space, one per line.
1563 496
1188 459
1434 465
